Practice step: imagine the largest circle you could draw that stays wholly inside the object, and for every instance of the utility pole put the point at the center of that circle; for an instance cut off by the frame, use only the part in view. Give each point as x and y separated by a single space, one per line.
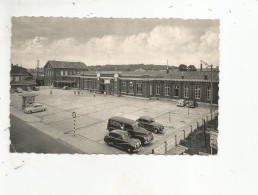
167 71
37 68
211 94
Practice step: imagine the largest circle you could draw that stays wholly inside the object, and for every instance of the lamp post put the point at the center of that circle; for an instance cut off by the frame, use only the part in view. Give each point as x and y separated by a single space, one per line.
211 94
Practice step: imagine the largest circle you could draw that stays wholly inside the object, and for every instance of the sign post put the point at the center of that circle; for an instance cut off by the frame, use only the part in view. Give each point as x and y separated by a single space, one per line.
74 116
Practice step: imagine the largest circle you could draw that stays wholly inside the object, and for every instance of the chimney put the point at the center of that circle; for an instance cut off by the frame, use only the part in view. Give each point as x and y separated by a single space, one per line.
201 67
38 69
167 71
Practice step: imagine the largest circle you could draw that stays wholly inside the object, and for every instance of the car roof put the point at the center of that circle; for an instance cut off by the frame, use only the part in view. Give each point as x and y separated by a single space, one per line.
145 117
119 131
37 104
122 119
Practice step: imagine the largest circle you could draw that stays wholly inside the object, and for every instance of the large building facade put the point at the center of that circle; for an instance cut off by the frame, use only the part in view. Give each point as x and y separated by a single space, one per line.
55 70
194 85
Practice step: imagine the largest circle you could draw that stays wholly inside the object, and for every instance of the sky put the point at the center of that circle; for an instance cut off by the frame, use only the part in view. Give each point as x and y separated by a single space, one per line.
100 41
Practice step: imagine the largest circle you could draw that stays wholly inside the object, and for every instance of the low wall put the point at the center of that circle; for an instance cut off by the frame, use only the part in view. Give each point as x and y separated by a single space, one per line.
182 133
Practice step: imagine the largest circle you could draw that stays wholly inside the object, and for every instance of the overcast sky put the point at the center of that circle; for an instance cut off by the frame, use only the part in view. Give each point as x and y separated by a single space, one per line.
114 41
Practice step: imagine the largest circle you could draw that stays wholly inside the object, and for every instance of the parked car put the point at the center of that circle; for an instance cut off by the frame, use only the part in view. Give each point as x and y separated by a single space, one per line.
36 88
191 104
19 90
35 108
12 90
150 124
65 88
181 103
132 127
122 139
29 89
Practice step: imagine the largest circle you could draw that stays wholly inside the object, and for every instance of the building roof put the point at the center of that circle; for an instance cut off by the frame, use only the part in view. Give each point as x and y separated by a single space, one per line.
63 64
18 70
173 75
193 75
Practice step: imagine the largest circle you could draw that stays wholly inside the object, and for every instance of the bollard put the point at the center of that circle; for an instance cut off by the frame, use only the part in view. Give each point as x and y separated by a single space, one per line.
197 125
51 91
166 147
74 92
152 151
184 134
175 140
191 128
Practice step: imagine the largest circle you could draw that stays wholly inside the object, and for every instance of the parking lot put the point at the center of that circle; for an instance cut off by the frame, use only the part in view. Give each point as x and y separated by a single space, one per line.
92 114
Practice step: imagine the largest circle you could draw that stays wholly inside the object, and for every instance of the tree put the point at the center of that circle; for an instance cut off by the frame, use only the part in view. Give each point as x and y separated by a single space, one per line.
192 68
182 67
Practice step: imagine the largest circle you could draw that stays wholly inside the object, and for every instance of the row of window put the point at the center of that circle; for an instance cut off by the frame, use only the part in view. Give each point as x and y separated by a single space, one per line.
49 72
88 84
17 78
197 90
63 72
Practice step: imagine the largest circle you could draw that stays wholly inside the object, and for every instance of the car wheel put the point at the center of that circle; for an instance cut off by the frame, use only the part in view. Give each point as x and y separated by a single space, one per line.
29 112
129 150
156 130
110 143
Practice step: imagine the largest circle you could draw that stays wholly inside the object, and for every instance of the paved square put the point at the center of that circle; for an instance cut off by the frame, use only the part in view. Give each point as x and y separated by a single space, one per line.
94 112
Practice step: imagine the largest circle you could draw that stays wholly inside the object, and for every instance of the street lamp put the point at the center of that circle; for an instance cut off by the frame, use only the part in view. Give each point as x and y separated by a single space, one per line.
211 94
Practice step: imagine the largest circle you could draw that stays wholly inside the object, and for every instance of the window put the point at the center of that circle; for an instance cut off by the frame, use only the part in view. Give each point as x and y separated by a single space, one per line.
208 93
150 89
90 84
123 86
139 88
167 90
197 92
66 72
17 78
95 85
158 89
61 72
186 92
131 87
86 84
176 91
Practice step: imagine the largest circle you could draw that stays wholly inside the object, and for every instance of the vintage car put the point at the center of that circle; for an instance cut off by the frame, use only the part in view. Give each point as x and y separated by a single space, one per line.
65 88
36 107
19 90
36 88
122 139
150 124
191 104
29 89
132 127
181 103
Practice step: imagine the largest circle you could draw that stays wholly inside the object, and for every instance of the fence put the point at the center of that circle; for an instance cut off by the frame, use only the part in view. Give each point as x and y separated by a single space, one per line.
182 134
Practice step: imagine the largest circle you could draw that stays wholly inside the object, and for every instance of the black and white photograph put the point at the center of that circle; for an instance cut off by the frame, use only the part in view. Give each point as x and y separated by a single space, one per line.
128 97
114 85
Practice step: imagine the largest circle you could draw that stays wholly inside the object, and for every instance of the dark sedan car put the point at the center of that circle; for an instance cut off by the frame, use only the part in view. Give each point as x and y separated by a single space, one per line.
123 140
150 124
191 104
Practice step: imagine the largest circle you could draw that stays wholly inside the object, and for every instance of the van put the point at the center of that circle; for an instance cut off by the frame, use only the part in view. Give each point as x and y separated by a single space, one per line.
132 127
